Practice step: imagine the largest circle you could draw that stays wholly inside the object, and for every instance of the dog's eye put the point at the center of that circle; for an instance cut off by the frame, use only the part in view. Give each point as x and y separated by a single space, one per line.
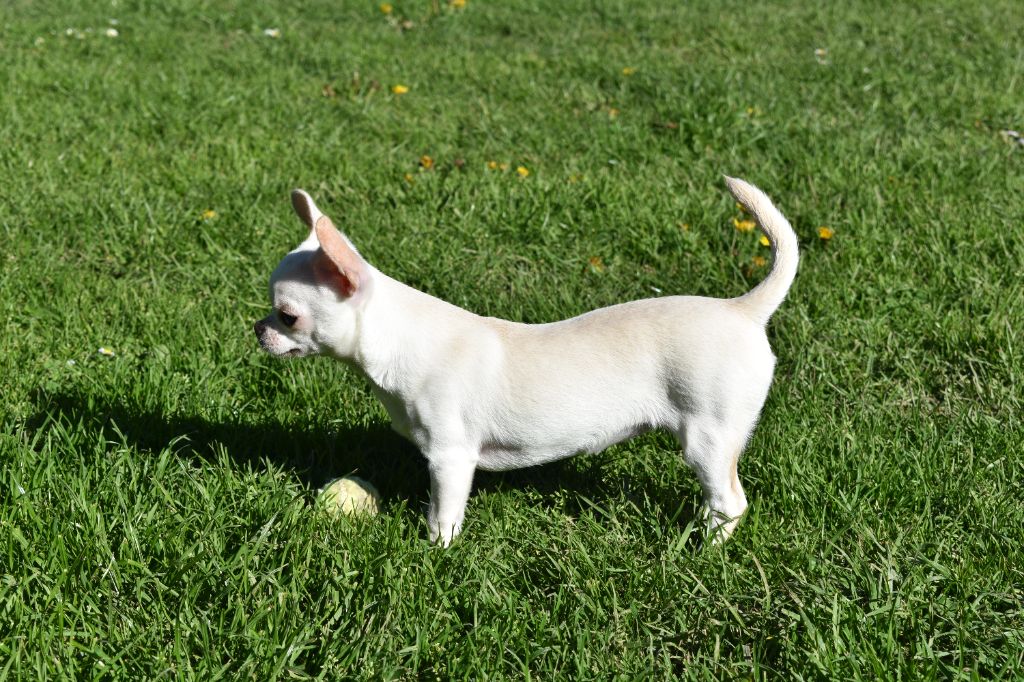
286 319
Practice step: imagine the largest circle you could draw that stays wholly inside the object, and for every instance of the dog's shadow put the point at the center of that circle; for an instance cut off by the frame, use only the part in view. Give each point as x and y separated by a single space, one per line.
316 456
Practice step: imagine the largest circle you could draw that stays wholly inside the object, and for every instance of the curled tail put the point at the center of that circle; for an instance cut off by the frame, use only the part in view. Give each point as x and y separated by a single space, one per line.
766 297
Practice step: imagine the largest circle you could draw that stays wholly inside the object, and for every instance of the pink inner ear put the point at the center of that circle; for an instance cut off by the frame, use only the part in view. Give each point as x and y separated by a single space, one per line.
347 265
327 271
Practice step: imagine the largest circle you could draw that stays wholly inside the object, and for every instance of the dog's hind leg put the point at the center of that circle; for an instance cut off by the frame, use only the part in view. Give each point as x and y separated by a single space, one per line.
712 450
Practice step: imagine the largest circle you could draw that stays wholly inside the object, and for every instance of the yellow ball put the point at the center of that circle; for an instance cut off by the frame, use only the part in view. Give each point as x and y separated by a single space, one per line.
349 495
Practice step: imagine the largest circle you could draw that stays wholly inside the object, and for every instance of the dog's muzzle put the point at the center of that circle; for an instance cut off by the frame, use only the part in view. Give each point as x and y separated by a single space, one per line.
260 327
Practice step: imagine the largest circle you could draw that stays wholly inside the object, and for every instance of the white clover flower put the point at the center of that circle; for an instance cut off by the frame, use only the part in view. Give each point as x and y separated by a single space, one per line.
272 32
111 33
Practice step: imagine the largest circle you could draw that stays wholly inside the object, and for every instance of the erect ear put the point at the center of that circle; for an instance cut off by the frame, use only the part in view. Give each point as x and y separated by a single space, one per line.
338 262
305 208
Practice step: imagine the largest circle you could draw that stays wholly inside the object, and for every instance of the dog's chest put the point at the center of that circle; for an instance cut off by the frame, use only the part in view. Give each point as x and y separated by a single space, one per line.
401 421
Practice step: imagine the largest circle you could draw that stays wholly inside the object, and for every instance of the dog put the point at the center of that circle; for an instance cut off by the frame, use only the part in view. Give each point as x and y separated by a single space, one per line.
476 392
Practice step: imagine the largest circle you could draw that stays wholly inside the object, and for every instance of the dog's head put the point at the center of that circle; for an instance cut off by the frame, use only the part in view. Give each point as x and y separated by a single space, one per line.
318 292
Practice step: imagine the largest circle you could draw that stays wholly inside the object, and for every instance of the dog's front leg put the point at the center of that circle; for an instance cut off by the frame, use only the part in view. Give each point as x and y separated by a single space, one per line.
451 477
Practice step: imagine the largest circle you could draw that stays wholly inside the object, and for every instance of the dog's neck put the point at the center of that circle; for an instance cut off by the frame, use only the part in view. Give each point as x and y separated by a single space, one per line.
402 332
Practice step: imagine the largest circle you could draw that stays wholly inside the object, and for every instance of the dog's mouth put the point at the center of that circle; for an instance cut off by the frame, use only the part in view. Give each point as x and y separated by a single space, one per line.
271 342
296 352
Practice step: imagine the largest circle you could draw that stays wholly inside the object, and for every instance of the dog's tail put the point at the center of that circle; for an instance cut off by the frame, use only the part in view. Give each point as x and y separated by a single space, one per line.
766 297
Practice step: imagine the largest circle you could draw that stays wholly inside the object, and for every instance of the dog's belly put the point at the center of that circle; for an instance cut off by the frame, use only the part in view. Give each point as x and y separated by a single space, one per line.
499 456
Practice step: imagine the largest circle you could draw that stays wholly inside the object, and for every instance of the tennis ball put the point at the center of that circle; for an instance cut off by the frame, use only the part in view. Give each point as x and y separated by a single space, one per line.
349 495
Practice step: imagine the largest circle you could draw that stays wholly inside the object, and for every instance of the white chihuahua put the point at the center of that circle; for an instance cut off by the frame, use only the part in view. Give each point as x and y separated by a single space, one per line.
479 392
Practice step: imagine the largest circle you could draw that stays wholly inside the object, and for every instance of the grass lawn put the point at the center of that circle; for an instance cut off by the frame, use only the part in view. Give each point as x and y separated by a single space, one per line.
156 514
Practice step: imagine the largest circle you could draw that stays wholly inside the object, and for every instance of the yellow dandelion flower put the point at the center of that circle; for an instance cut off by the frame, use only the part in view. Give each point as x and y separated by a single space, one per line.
764 240
386 8
492 165
399 89
758 261
628 70
458 4
409 178
209 214
743 225
741 208
523 171
426 162
825 233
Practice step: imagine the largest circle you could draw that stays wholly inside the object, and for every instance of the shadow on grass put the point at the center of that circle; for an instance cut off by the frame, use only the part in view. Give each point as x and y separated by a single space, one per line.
316 456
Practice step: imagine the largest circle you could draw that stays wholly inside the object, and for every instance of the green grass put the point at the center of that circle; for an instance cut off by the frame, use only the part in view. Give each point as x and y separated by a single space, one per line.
156 513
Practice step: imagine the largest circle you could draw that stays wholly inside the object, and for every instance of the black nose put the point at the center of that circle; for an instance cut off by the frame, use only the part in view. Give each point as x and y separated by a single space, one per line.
259 328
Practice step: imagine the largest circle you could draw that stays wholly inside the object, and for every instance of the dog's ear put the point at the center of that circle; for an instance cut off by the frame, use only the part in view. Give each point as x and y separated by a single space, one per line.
305 208
338 262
